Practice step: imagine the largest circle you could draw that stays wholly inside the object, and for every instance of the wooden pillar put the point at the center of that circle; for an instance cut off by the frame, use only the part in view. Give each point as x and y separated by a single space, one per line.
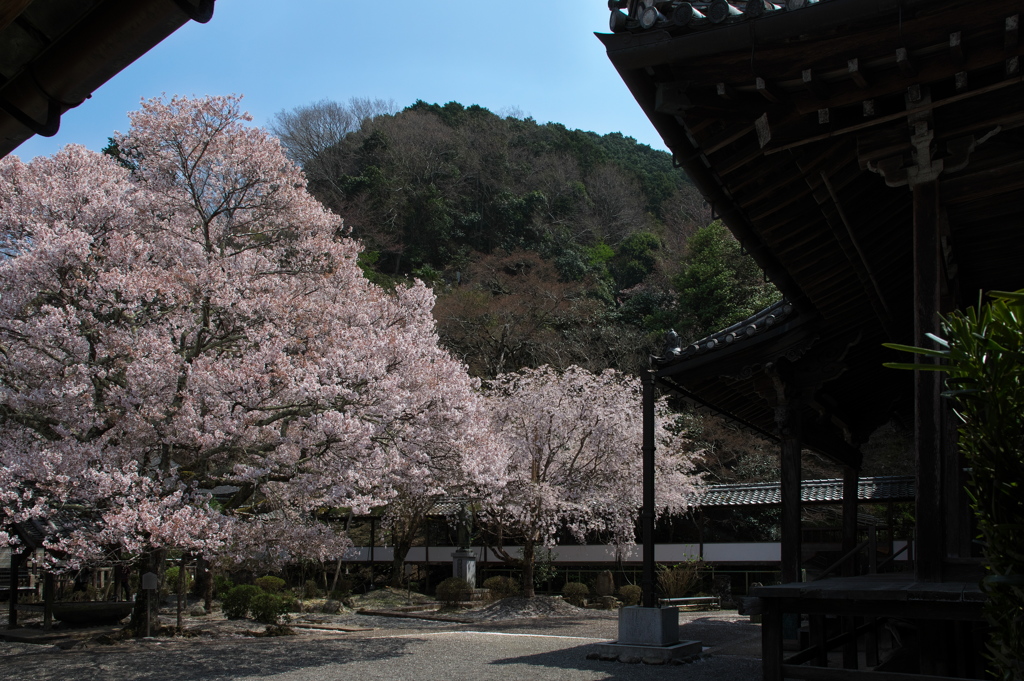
647 513
48 597
931 542
850 479
771 641
12 613
789 427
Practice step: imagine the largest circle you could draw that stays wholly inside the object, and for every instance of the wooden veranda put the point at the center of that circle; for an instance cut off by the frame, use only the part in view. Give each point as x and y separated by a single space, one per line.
869 156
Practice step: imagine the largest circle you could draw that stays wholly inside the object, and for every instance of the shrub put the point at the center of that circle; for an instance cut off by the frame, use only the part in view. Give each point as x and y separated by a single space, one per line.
270 584
453 591
221 585
630 594
267 608
235 603
576 593
341 589
982 353
171 579
679 580
310 589
502 587
170 586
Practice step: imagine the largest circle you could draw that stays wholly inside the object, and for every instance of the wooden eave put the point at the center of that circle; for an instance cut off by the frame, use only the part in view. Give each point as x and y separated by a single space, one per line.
55 53
794 125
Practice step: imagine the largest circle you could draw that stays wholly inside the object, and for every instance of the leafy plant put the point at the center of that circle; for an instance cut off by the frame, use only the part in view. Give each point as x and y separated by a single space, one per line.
310 589
630 594
575 593
982 353
502 587
235 603
453 591
267 608
271 584
680 579
221 585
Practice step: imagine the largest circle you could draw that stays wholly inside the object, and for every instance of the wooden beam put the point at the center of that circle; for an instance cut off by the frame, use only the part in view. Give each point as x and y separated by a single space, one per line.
956 49
792 444
850 479
856 73
768 90
931 545
814 85
904 63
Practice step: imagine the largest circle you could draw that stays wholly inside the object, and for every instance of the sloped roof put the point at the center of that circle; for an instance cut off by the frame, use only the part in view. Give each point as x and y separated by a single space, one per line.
796 124
55 53
830 491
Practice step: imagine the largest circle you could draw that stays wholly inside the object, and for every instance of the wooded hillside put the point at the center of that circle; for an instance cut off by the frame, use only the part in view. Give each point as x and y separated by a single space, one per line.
544 245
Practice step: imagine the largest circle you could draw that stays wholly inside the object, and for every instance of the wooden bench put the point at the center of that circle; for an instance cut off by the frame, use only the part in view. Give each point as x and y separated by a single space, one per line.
693 602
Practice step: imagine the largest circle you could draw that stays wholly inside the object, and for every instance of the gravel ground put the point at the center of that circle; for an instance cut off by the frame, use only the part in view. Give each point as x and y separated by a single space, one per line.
506 641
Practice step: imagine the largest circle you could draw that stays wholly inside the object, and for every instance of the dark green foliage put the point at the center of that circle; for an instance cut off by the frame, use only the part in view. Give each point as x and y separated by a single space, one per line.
575 593
310 589
235 603
719 284
171 579
221 585
433 184
502 587
630 594
271 584
453 591
982 353
267 608
635 259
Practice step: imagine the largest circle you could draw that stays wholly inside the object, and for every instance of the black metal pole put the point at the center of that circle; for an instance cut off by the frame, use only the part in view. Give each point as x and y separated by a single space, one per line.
647 514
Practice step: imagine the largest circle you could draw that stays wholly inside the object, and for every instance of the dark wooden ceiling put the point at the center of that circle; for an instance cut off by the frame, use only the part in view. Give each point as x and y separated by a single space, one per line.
55 53
799 127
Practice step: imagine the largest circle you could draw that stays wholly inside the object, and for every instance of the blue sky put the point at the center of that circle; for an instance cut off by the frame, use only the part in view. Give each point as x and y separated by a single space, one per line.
541 58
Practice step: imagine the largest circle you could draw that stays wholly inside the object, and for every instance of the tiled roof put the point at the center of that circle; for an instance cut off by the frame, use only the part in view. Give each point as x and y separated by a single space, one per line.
673 16
887 488
737 333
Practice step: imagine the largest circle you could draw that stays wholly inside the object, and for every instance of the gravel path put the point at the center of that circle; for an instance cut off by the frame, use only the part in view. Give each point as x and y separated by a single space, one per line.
551 648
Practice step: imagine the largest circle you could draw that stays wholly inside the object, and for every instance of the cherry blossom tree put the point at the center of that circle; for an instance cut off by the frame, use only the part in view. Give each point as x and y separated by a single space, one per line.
191 316
575 459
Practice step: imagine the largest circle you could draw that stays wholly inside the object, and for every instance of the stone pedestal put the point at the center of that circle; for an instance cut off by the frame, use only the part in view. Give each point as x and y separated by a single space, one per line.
649 634
648 626
464 566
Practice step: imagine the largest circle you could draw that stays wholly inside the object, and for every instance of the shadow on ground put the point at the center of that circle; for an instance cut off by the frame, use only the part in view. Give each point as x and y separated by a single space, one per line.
199 660
575 659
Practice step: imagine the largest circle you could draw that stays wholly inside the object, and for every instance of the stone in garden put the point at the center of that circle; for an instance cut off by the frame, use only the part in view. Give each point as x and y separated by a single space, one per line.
604 585
197 611
332 607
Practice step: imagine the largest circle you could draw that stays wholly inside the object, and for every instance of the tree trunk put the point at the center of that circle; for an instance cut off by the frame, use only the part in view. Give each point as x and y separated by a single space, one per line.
143 614
398 562
180 588
529 555
204 583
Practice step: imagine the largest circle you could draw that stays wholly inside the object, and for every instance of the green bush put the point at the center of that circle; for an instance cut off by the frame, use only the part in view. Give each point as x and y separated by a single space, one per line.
453 591
310 589
270 584
680 579
170 586
502 587
235 603
630 594
341 589
576 593
221 585
982 353
267 608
